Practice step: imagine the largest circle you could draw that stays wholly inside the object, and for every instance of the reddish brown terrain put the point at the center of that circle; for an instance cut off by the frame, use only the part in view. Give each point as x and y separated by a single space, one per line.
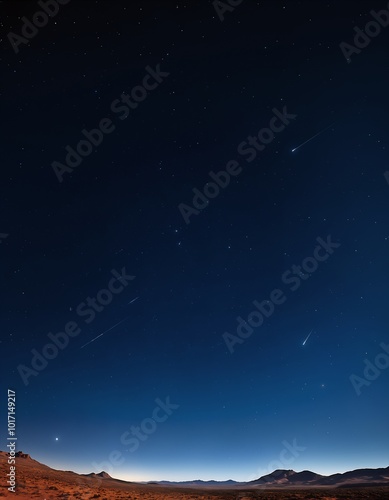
37 481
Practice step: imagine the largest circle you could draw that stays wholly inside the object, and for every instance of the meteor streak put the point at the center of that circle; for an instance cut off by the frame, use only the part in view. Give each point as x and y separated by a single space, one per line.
305 341
301 145
106 331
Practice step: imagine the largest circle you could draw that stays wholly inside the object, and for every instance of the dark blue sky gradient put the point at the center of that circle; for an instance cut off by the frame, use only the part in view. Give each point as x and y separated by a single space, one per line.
119 208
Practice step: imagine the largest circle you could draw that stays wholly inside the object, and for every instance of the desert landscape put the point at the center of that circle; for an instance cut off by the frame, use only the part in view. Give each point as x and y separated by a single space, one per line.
38 481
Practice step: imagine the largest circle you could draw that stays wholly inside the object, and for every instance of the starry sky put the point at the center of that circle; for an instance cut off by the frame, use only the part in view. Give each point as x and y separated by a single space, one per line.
184 270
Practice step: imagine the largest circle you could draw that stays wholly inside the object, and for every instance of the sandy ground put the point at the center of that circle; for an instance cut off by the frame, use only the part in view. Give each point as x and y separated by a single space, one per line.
37 481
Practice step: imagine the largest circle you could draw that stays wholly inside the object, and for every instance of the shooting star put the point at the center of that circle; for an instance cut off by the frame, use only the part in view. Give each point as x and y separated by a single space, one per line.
305 341
303 144
133 300
106 331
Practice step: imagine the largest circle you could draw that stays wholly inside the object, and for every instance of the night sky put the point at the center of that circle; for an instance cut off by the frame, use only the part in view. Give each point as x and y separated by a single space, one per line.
129 215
